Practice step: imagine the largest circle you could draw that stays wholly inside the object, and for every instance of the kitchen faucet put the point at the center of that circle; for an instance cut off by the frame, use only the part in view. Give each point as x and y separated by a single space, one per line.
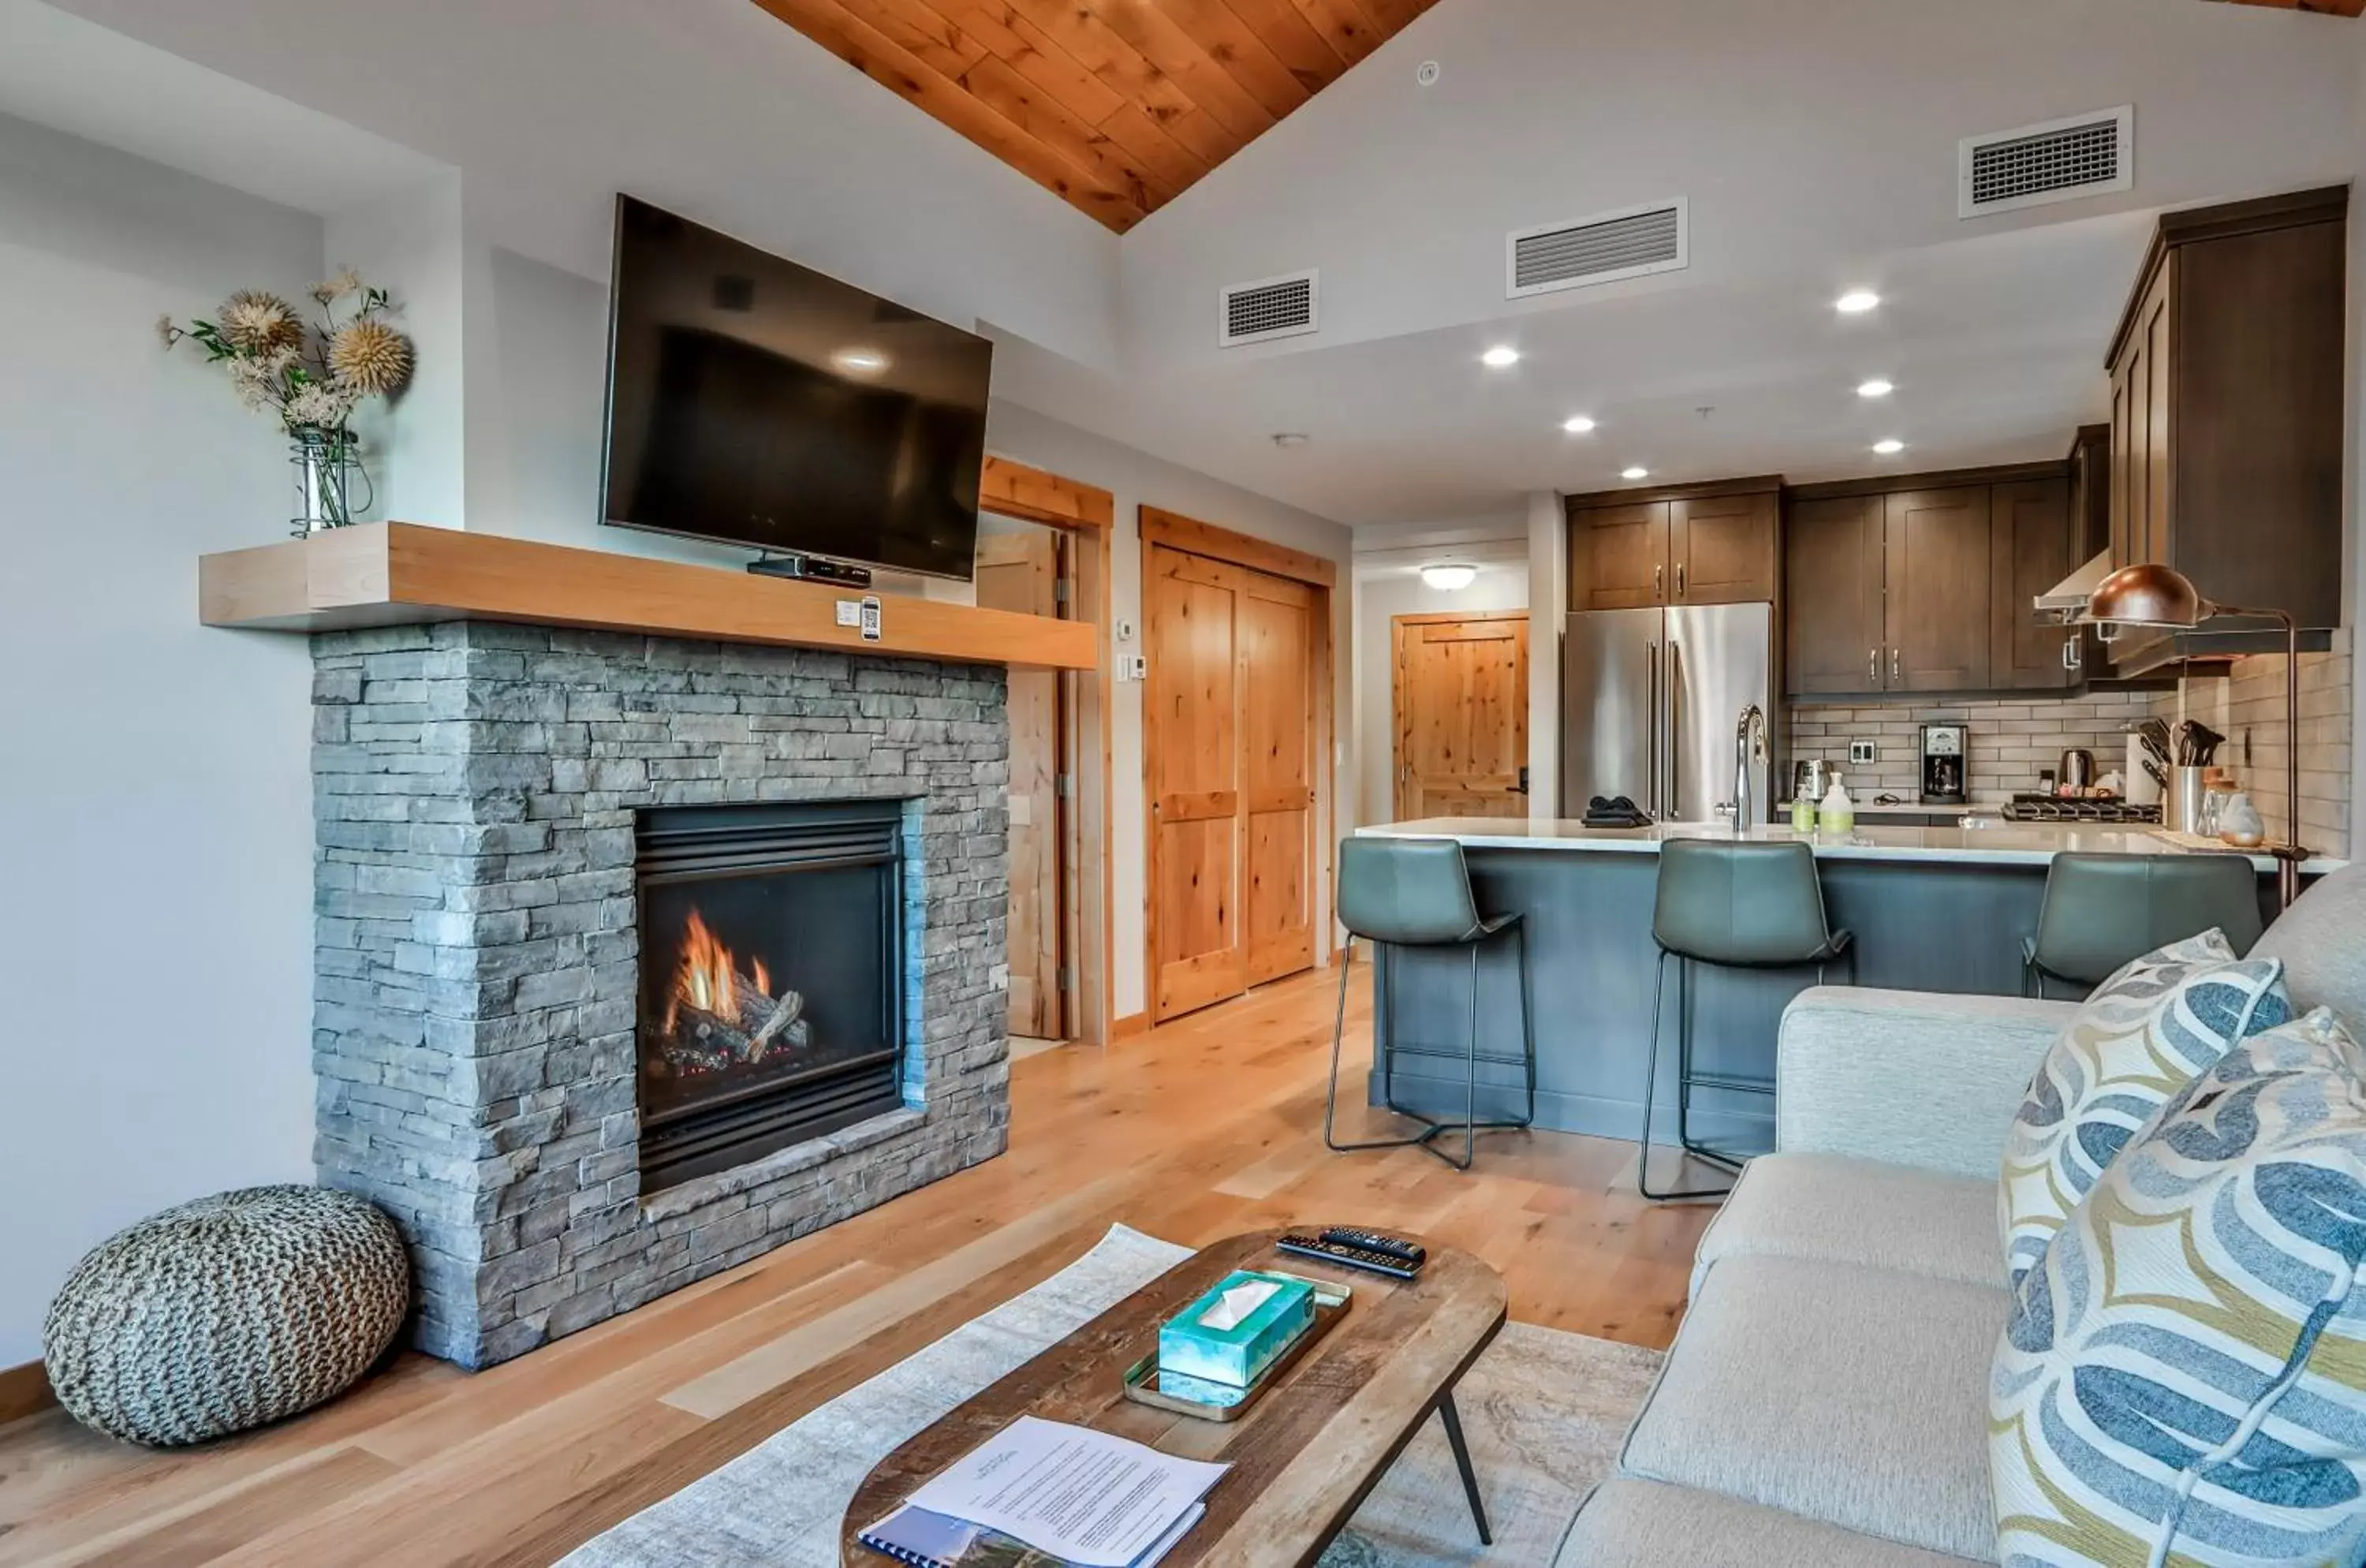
1749 746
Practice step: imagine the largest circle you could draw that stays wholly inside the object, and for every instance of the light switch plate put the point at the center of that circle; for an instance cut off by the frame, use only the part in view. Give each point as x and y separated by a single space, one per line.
850 611
1862 752
1133 667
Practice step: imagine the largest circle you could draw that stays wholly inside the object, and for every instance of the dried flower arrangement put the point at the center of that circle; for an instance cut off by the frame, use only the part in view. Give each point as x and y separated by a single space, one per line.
311 375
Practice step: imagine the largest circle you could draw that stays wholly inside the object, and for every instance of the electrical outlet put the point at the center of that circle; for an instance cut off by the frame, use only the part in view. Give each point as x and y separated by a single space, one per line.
1862 752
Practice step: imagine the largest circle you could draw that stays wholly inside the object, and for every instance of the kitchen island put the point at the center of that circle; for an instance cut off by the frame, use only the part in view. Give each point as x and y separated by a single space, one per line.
1931 909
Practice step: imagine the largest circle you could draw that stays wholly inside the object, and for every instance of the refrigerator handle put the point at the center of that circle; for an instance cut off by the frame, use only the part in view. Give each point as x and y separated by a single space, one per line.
1653 728
1675 727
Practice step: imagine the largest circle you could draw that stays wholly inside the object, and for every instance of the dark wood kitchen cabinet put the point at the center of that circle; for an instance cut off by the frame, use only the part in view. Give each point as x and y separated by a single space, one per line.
1694 545
1834 637
2227 377
1936 589
2030 547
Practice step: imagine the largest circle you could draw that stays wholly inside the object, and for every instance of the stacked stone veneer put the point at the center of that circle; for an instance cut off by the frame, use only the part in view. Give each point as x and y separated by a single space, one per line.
473 790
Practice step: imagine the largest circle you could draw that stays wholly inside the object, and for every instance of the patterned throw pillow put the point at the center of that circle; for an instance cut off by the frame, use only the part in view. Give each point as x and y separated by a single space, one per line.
2137 1040
2183 1377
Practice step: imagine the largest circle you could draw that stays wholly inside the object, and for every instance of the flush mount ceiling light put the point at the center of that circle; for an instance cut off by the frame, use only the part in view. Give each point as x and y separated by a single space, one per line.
1877 387
1577 425
1289 440
1503 356
1889 448
1856 301
1449 579
861 361
1635 473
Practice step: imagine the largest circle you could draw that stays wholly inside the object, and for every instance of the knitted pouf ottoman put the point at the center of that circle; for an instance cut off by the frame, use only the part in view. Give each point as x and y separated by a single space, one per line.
226 1314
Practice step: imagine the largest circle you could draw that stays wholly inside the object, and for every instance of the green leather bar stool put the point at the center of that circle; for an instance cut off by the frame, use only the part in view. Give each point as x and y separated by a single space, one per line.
1416 893
1738 906
2101 910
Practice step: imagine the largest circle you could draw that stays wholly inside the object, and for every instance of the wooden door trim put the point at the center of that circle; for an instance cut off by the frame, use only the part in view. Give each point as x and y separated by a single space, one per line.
1087 514
1447 618
1160 527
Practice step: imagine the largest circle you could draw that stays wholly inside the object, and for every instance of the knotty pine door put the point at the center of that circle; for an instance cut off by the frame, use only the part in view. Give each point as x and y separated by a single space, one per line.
1229 753
1461 701
1020 568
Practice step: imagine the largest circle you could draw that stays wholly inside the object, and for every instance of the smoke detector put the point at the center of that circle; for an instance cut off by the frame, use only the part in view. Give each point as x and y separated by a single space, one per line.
1426 74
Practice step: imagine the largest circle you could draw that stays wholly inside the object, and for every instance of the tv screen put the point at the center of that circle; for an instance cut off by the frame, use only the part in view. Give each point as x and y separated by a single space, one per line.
759 402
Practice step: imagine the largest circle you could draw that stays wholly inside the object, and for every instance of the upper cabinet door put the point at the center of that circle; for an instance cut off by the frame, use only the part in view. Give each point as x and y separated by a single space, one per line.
1831 576
1618 558
2031 549
1940 599
1722 550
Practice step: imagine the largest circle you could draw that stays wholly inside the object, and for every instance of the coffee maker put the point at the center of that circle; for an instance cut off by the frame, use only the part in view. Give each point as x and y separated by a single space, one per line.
1945 756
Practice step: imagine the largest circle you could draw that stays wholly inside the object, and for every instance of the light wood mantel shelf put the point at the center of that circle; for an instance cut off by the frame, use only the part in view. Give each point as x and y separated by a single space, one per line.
385 574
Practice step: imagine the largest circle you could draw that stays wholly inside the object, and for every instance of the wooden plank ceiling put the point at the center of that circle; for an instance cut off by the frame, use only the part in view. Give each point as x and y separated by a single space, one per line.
1115 105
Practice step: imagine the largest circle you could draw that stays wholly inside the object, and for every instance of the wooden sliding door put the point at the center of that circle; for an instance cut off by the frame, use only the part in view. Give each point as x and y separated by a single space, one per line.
1230 755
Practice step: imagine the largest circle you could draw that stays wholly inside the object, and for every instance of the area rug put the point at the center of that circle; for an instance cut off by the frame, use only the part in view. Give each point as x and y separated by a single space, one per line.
1543 1411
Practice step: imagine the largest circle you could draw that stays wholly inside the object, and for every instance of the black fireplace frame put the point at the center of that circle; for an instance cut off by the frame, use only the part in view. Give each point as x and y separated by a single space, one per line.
692 843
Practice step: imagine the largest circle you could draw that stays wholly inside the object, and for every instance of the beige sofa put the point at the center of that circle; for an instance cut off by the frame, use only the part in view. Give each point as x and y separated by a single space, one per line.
1825 1404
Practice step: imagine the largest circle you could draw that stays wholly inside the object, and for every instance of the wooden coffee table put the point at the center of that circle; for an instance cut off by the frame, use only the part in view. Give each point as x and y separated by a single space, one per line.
1304 1456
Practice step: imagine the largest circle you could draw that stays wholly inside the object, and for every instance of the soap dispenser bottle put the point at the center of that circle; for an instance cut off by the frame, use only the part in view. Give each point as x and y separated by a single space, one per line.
1838 813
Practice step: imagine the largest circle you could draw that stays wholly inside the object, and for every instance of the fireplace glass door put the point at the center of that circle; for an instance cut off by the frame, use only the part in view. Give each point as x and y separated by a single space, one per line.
771 978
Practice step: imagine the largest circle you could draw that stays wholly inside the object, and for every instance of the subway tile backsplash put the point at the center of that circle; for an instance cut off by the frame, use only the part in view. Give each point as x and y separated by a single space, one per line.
2011 739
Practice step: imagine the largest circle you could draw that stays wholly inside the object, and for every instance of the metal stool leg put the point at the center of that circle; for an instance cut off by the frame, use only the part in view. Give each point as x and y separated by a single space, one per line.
1684 1086
1331 1099
1471 1125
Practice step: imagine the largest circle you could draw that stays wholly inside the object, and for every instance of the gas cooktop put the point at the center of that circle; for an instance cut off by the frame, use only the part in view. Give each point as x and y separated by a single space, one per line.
2051 808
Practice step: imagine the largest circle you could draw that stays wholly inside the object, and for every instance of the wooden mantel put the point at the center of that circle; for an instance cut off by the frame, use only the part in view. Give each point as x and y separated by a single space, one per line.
384 574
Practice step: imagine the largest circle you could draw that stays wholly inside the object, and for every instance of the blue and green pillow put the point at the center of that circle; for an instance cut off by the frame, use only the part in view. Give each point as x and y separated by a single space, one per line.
2139 1038
2183 1377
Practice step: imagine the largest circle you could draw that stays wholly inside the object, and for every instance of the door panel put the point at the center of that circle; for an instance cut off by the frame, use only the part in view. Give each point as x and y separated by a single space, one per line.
1192 759
2031 551
1460 702
1832 582
1723 549
1611 665
1277 642
1619 555
1938 590
1020 569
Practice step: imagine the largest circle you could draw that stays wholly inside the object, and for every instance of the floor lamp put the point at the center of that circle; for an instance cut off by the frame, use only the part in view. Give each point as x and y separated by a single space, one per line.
2156 595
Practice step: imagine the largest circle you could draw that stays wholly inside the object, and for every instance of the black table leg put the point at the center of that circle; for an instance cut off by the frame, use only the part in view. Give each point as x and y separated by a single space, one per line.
1453 1419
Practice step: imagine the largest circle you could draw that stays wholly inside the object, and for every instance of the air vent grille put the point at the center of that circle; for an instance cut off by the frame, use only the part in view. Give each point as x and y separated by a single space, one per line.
2061 160
1603 248
1270 308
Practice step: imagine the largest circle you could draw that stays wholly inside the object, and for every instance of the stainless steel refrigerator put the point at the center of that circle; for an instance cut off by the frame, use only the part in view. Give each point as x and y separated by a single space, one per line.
1650 702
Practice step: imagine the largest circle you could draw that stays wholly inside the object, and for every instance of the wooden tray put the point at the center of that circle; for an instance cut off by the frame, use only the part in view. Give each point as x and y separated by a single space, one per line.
1141 1380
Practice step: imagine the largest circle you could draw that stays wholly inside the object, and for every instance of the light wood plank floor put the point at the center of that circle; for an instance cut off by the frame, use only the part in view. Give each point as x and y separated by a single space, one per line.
1205 1127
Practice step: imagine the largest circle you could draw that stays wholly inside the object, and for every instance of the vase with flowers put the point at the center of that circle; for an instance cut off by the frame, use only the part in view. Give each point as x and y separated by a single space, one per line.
311 376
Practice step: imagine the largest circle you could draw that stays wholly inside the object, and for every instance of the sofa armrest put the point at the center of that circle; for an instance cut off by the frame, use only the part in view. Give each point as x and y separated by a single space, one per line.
1908 1077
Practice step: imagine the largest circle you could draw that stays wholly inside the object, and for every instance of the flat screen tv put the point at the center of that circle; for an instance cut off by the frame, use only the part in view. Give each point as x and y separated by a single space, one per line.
758 402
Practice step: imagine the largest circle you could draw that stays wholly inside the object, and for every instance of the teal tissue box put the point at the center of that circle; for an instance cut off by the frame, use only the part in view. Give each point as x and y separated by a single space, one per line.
1237 1330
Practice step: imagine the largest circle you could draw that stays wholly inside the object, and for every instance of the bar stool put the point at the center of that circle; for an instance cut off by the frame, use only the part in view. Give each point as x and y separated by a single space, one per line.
1734 905
2103 910
1416 893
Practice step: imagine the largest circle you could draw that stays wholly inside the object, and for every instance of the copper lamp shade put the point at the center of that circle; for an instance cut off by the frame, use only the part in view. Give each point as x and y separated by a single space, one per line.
2149 596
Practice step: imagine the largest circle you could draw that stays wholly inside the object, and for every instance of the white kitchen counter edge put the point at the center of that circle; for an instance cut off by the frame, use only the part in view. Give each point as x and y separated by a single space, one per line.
2021 844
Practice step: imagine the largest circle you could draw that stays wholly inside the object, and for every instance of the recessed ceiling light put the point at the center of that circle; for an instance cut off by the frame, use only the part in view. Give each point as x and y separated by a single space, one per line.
1289 440
1889 448
860 361
1449 579
1578 425
1635 473
1877 387
1503 356
1856 301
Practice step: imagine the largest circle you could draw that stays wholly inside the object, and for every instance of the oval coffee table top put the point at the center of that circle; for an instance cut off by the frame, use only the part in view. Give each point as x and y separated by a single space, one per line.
1304 1454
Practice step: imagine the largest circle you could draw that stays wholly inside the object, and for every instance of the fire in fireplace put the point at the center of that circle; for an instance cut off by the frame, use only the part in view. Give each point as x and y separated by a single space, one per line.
771 978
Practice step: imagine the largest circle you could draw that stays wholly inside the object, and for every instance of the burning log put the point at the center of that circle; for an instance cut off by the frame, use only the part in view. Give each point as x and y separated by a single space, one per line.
719 1016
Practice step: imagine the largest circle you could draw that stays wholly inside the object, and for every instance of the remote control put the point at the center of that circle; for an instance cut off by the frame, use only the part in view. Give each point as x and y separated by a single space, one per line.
1348 1256
1413 1252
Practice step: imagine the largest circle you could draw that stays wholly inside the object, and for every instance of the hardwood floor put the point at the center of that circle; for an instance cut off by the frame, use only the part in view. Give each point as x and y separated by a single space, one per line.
1202 1128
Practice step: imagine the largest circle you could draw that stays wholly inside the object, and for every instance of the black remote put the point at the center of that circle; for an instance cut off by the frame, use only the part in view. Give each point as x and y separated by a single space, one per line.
1413 1252
1348 1256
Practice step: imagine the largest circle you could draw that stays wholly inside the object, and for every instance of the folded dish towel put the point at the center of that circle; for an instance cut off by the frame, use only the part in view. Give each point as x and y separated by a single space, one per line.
1619 812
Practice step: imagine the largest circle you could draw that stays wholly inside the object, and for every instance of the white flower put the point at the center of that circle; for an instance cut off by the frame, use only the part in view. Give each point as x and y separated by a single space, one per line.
319 403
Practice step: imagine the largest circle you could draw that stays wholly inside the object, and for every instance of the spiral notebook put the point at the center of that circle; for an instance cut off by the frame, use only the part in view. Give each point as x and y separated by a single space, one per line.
927 1539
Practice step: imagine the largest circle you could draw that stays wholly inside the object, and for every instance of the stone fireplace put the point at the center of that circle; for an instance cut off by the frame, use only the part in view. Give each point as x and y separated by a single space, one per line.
636 957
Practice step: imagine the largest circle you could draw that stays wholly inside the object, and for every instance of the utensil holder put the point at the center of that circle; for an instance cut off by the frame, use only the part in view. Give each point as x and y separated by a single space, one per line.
2182 812
2138 784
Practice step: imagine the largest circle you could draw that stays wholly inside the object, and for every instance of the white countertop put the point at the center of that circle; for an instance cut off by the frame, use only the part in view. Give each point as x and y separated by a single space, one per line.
2019 843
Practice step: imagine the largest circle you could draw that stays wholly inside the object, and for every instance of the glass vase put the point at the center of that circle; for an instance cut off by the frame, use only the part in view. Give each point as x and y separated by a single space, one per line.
332 489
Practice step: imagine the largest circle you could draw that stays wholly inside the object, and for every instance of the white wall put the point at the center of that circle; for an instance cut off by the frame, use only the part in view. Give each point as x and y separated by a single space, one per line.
155 847
1380 595
1136 479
